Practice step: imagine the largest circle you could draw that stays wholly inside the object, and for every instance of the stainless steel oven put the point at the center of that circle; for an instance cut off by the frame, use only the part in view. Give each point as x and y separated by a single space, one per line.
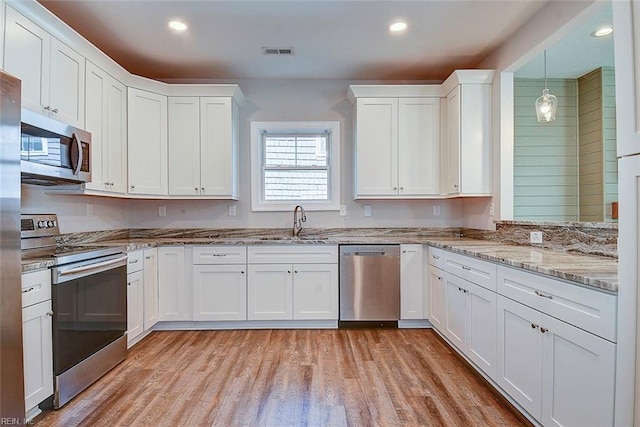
52 152
89 300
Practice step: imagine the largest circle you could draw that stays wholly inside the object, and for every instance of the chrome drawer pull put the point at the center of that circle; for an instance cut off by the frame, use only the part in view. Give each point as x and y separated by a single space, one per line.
435 257
24 291
464 267
133 261
540 294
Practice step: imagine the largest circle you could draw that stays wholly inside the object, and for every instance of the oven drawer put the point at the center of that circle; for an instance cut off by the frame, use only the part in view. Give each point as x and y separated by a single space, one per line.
135 261
36 287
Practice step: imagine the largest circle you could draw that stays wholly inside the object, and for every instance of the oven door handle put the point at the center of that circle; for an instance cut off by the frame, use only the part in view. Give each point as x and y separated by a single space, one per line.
94 268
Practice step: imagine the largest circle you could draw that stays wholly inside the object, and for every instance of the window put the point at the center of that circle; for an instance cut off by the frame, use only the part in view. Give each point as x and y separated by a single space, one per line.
295 163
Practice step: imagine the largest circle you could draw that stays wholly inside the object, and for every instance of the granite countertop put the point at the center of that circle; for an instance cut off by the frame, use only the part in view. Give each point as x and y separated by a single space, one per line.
589 270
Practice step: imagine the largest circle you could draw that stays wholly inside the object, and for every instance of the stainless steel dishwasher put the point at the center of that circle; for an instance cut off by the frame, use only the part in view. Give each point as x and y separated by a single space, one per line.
369 285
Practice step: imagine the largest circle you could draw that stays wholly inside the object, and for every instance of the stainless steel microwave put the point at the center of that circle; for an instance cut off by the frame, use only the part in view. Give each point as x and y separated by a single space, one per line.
52 152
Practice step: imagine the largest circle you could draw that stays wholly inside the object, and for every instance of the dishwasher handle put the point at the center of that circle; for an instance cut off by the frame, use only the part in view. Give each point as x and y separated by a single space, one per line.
379 253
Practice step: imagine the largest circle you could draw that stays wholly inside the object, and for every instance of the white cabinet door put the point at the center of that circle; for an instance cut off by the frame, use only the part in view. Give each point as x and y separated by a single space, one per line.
269 294
106 119
418 146
151 309
578 376
481 346
147 142
27 56
520 354
452 143
376 146
412 289
66 91
37 353
219 146
184 146
455 315
219 292
135 305
315 291
174 292
437 298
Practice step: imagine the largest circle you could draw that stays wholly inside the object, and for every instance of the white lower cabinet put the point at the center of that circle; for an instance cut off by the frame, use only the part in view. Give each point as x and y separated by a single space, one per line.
270 292
560 374
135 305
174 291
412 287
470 321
436 298
151 309
292 291
219 292
37 339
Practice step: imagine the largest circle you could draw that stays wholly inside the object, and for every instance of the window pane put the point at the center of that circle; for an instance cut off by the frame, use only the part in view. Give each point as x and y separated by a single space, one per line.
292 151
295 185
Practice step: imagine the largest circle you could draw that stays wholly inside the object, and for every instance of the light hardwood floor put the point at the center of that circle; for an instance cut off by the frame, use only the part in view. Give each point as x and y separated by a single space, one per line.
384 377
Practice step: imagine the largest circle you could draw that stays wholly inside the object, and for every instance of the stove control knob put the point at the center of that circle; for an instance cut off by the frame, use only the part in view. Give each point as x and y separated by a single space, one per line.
51 223
42 224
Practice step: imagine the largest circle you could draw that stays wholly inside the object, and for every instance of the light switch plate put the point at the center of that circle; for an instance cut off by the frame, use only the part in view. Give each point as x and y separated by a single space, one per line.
436 210
232 210
367 210
162 210
89 209
536 237
343 210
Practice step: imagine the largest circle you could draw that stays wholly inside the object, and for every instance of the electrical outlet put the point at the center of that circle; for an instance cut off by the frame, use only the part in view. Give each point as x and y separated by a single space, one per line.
232 210
162 210
343 210
367 210
436 210
536 237
89 209
492 209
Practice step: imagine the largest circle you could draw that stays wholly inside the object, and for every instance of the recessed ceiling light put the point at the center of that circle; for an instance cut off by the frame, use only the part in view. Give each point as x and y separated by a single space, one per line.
177 25
398 27
602 32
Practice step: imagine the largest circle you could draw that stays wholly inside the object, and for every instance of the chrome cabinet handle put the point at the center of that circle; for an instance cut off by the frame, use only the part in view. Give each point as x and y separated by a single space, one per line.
543 330
289 271
133 186
241 272
55 111
196 188
133 261
404 251
435 257
540 294
201 188
50 313
295 271
534 326
464 267
24 291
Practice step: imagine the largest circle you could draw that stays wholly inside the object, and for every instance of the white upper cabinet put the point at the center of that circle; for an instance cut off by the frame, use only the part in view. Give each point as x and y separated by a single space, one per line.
466 139
397 145
203 146
106 119
52 73
147 142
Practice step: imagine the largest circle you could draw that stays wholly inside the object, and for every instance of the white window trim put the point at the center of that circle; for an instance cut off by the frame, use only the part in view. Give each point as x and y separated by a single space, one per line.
257 201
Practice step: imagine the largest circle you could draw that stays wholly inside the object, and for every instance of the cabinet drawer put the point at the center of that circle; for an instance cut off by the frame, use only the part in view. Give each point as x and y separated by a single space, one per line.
135 261
291 254
588 309
475 270
36 287
219 255
436 257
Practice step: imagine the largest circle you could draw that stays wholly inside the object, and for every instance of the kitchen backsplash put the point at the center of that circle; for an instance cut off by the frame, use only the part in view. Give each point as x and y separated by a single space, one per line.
584 237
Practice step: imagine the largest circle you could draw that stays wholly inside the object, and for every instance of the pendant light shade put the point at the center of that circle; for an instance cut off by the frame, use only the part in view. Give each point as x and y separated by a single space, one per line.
547 104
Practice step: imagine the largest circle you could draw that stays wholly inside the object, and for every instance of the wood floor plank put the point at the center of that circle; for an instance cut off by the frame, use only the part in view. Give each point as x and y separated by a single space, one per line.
376 377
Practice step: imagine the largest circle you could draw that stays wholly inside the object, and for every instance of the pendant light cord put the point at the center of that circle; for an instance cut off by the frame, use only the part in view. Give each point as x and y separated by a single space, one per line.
545 69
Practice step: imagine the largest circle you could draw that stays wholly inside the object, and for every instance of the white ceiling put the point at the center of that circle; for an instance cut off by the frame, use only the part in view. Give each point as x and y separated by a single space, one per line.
578 53
339 39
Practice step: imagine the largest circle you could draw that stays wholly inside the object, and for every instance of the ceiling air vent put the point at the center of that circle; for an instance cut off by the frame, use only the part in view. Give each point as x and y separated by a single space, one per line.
277 50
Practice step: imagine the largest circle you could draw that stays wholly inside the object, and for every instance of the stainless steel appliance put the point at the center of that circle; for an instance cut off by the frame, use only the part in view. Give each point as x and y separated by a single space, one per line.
369 285
89 300
12 408
52 152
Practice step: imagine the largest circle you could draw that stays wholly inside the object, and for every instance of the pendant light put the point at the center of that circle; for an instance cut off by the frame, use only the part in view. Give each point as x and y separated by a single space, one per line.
547 104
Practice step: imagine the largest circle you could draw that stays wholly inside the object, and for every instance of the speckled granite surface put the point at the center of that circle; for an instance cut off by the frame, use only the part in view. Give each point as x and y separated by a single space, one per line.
595 271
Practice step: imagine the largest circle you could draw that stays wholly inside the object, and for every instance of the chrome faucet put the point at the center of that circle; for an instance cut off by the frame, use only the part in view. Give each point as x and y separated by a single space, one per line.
297 221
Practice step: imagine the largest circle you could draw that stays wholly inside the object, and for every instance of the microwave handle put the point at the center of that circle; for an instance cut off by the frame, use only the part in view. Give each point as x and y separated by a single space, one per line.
78 144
